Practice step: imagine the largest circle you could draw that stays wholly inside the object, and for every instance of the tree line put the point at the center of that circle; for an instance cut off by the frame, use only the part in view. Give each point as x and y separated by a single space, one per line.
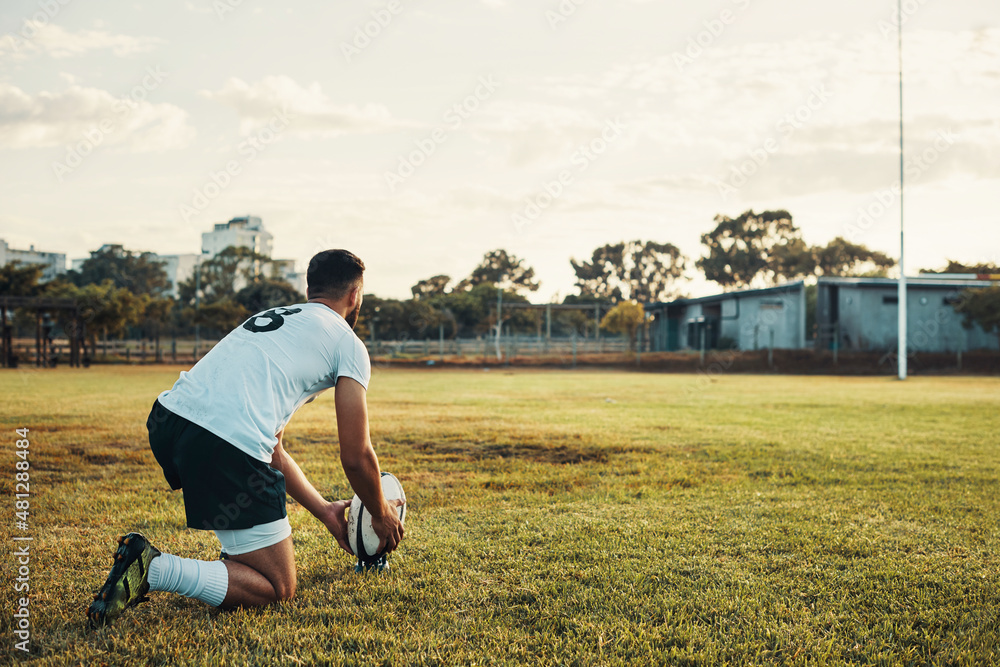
125 293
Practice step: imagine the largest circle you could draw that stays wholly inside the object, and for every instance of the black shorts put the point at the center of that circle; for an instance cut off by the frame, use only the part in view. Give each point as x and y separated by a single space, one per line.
224 488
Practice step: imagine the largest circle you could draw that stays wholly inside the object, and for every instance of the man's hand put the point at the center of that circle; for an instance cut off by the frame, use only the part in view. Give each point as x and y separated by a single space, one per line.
335 521
388 528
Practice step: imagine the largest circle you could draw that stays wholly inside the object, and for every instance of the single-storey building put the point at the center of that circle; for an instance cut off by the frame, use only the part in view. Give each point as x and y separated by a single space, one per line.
863 314
745 320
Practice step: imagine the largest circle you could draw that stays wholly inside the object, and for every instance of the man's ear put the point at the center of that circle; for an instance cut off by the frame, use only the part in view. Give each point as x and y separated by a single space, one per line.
356 296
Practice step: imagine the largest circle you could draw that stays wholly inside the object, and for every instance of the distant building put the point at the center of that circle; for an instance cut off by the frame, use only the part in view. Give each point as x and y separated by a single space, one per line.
54 263
745 320
285 269
245 232
113 249
178 269
248 232
863 314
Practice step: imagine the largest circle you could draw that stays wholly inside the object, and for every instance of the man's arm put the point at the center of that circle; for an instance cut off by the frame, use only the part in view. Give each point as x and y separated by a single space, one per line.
360 462
305 494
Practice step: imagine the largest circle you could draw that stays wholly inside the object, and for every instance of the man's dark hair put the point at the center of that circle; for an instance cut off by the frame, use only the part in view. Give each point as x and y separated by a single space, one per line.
332 274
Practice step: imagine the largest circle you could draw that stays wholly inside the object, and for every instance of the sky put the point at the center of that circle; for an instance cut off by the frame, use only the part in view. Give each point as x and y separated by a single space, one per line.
421 134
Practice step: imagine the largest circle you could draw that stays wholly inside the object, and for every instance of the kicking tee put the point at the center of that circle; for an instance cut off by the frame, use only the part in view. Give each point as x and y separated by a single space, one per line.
248 386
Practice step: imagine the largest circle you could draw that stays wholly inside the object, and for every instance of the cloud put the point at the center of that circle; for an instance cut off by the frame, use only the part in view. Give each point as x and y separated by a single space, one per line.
825 104
311 112
67 117
537 133
39 38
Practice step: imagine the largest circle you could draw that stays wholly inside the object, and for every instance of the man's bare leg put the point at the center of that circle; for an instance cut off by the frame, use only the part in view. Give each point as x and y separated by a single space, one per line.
261 577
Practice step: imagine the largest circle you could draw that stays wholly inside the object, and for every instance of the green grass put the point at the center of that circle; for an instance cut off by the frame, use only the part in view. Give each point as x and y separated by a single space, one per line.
558 518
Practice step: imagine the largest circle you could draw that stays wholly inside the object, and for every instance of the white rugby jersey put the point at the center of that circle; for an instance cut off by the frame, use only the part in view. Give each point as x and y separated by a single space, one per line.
248 386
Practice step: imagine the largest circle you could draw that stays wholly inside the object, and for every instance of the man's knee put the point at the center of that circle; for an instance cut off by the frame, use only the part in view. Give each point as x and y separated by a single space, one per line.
284 589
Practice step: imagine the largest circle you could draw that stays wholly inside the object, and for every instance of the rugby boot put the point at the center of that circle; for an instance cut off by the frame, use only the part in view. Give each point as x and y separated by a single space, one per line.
128 581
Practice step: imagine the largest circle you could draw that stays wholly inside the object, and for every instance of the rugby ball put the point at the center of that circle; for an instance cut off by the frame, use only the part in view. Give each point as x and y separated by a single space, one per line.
360 534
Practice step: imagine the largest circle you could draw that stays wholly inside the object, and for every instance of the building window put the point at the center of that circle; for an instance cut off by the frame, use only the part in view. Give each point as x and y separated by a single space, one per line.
890 300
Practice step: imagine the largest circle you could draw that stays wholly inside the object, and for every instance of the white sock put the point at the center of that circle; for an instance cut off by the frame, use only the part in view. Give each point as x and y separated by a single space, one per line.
202 580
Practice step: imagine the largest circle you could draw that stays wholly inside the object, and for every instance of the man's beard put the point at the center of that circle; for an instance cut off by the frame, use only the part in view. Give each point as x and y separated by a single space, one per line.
352 317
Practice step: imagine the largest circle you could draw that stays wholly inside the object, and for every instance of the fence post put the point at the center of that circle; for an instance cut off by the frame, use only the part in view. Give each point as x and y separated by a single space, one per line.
597 326
638 347
836 342
38 338
548 326
770 352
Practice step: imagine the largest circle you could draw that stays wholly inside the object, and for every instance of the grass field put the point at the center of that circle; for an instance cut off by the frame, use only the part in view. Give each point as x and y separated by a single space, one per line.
556 518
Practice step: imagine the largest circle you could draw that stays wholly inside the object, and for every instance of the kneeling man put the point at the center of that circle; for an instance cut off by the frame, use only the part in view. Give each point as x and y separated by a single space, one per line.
217 435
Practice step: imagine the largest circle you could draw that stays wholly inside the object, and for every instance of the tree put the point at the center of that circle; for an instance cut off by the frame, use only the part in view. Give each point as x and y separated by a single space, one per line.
581 322
840 257
751 249
625 318
959 267
267 293
220 274
18 279
634 270
472 312
431 287
470 309
139 273
104 307
385 317
222 315
500 269
392 319
980 306
155 311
